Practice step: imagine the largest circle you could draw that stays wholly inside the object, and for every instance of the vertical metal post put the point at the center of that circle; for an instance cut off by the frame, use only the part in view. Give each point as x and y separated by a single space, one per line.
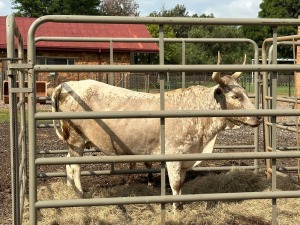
183 63
13 120
256 103
265 102
162 121
111 62
31 57
23 169
1 83
273 121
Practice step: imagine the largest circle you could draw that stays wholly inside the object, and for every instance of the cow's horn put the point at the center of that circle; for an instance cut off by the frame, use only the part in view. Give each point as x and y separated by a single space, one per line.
238 74
216 76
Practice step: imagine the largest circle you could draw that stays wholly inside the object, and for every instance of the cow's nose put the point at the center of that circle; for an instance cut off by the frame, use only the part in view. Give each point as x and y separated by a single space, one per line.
260 118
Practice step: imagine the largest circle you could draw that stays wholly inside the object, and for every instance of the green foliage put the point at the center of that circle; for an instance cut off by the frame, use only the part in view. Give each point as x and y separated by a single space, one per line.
256 33
206 53
279 9
199 53
172 51
119 8
275 9
37 8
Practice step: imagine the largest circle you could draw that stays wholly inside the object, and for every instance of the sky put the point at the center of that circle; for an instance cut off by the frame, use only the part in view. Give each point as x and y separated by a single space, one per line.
220 8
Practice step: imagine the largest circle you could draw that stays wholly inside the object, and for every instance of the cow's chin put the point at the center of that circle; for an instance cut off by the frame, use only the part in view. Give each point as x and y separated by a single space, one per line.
249 121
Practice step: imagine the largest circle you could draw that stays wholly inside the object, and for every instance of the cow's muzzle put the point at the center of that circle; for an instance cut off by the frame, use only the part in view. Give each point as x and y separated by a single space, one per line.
255 121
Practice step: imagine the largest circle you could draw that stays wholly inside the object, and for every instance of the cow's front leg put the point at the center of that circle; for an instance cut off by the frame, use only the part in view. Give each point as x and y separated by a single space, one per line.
176 178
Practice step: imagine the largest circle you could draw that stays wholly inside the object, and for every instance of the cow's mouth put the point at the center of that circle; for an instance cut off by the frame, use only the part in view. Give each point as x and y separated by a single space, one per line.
257 121
252 121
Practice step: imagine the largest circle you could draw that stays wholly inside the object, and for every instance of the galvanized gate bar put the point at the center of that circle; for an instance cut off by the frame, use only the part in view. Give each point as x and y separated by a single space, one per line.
165 199
17 128
164 114
165 68
97 150
273 143
167 158
162 121
140 171
163 20
166 40
12 80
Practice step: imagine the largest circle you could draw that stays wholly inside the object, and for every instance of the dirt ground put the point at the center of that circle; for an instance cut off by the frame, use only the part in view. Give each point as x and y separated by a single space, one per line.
47 140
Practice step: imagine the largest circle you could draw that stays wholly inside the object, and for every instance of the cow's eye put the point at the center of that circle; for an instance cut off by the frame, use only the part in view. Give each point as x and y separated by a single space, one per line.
235 97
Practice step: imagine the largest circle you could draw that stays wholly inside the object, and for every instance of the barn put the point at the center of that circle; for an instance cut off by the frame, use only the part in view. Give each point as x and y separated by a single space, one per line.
83 53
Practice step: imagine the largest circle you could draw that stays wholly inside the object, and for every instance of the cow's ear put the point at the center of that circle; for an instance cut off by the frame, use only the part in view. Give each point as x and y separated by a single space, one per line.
218 94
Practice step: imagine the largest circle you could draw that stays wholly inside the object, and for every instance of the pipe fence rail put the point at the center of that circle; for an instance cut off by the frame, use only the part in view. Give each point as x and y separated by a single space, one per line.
269 111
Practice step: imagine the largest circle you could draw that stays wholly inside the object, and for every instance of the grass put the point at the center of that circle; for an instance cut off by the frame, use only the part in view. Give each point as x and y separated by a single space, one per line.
4 116
283 90
246 212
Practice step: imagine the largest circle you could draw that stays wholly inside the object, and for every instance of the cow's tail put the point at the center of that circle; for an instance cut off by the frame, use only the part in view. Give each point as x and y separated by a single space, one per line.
62 131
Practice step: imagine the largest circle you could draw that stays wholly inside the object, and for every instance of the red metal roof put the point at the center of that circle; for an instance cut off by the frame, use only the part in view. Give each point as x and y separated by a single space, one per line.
51 29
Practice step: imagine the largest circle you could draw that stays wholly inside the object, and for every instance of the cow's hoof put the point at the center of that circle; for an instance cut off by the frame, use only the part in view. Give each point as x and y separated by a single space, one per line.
151 184
178 206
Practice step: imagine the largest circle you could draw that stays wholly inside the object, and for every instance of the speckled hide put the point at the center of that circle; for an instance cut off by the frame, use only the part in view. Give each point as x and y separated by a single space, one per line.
142 136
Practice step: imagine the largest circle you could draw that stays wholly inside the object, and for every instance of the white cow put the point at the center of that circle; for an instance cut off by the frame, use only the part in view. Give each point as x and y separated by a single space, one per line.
142 136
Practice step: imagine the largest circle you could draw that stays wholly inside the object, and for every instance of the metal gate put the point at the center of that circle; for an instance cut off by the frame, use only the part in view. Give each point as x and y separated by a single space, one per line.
19 180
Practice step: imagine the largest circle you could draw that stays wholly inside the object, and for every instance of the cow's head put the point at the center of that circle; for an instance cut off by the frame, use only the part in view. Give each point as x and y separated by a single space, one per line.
232 96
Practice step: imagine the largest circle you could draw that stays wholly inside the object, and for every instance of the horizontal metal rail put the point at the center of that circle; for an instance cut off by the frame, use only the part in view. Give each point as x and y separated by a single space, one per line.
147 40
165 199
164 114
164 20
284 99
65 151
165 68
284 127
141 171
287 148
166 158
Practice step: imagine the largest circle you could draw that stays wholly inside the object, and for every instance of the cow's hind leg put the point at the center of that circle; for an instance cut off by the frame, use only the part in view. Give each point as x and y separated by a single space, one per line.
74 171
150 177
176 178
70 174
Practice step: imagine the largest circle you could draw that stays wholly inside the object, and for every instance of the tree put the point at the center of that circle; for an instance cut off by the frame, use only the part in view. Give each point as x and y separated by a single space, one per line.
206 53
172 51
275 9
37 8
279 9
119 8
198 53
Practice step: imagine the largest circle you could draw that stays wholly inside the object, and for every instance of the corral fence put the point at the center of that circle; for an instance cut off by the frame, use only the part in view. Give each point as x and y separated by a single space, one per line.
18 70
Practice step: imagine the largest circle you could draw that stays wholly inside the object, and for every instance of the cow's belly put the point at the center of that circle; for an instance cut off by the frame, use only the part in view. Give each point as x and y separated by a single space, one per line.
123 137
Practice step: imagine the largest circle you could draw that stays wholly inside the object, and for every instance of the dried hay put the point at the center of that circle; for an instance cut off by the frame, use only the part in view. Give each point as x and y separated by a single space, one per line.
220 213
233 181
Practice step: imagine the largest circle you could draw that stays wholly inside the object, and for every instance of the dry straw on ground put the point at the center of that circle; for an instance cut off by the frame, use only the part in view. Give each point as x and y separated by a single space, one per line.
209 213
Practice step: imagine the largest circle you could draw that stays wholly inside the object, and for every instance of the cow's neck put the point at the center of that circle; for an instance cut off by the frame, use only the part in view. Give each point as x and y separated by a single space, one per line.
199 98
